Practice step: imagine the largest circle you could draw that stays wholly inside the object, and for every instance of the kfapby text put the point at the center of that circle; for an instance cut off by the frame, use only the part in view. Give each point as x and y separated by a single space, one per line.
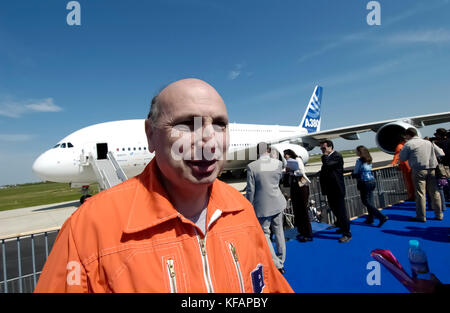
229 302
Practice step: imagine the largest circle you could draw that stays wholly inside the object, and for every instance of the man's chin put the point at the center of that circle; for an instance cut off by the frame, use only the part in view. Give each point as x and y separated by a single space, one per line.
202 179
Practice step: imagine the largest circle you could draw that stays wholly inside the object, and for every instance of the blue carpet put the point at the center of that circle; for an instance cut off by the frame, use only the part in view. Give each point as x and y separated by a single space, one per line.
325 265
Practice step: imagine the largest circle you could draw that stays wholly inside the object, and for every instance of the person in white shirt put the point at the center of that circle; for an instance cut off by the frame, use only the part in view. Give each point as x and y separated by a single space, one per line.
299 195
422 158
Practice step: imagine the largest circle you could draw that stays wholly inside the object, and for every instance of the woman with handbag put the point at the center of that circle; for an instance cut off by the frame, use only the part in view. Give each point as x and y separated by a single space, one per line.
366 185
299 195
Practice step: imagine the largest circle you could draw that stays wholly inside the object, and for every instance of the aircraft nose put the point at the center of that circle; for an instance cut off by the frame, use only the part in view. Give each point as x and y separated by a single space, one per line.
41 166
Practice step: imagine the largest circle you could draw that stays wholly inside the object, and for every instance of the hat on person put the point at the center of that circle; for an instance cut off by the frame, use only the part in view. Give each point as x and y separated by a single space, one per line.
440 132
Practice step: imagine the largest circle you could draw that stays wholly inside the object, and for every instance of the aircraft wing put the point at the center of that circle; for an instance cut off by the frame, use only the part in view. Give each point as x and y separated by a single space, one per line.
351 132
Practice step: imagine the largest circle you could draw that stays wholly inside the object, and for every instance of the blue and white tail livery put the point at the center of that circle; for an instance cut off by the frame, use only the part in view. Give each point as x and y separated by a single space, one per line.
311 118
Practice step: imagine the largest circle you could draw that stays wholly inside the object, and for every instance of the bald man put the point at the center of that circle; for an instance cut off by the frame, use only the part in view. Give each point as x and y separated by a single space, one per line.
175 227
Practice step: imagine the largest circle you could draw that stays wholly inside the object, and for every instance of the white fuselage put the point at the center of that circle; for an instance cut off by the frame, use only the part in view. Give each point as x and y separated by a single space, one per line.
128 143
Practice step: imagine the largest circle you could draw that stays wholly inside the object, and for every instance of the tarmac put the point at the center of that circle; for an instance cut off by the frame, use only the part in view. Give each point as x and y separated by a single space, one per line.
21 222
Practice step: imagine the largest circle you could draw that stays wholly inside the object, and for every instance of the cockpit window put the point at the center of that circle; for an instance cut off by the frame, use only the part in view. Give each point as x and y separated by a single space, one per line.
63 145
56 146
69 145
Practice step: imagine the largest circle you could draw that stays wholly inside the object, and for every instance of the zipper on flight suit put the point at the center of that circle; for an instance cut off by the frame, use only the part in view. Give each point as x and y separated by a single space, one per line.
172 279
236 265
202 245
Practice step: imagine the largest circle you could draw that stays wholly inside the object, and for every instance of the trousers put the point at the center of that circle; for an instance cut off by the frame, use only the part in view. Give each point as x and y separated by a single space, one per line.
366 191
336 201
275 223
300 198
425 181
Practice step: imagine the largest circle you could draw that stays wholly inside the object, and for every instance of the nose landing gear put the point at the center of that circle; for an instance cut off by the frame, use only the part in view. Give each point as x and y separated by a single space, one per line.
85 192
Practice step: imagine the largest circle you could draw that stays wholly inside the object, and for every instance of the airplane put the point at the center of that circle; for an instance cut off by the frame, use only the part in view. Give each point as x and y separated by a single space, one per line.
71 159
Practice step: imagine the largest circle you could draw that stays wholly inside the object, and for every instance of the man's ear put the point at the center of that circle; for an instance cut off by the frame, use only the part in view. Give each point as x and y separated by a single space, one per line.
149 131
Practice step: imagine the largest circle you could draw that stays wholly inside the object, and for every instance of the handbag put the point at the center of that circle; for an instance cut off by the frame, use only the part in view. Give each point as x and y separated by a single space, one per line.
442 171
285 180
302 181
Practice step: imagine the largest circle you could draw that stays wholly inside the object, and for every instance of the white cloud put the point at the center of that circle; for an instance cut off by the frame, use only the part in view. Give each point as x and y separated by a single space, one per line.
236 72
45 105
421 36
436 36
232 75
15 137
11 109
15 109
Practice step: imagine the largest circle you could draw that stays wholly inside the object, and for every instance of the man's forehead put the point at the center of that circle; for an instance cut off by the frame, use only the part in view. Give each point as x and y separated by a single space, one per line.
192 99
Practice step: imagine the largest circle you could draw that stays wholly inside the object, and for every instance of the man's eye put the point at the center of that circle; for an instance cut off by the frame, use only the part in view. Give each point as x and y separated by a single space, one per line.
220 126
184 127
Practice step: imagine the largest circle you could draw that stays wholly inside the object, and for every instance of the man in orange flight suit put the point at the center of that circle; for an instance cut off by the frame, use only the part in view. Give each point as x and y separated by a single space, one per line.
175 227
406 170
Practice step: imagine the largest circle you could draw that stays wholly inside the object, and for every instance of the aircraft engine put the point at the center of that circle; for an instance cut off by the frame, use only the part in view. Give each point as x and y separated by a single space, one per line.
388 136
299 150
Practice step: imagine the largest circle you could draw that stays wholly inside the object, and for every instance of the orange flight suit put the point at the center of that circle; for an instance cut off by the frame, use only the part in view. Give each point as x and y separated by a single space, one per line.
406 171
130 238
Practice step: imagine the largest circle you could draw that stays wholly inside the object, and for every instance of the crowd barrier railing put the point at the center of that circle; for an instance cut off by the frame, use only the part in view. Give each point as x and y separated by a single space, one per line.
390 189
23 255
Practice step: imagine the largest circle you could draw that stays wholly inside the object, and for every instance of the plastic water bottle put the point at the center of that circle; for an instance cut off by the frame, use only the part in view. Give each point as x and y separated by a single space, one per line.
418 261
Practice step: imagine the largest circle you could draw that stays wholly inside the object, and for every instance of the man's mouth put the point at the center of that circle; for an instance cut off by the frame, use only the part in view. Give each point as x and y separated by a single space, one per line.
202 167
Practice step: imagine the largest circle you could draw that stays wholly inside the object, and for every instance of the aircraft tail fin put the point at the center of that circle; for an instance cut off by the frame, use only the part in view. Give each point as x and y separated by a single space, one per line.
311 118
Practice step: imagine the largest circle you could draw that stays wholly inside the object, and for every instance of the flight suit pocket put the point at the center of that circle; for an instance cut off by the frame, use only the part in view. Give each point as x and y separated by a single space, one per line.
236 260
153 269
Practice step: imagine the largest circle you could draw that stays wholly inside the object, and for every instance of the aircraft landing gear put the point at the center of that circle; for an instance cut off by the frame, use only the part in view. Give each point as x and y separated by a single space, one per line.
85 191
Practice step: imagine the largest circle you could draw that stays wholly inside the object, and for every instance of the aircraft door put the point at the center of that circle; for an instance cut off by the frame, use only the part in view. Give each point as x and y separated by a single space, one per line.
102 151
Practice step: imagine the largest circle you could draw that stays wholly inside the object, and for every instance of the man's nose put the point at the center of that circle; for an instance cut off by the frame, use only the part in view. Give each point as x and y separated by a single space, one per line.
208 132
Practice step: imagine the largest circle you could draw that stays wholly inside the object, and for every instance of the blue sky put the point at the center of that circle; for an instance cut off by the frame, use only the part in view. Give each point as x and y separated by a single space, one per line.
264 58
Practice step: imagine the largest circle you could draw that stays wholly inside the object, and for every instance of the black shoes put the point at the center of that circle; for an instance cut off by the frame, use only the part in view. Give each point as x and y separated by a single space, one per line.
368 221
416 219
382 221
345 239
303 238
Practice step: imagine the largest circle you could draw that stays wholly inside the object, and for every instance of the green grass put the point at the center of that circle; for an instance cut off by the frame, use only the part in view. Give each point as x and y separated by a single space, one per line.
344 153
26 195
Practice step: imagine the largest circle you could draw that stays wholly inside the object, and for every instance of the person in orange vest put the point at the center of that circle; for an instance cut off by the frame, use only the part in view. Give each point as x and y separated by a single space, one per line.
175 227
405 168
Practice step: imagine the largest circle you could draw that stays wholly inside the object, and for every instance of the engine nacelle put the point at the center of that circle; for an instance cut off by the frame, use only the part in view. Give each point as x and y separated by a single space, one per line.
299 150
389 135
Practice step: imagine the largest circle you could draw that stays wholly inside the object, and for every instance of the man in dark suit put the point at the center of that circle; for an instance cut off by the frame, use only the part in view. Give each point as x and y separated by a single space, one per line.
332 185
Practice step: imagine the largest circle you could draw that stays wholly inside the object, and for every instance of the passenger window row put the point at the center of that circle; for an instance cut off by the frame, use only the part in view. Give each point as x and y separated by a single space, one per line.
63 145
132 149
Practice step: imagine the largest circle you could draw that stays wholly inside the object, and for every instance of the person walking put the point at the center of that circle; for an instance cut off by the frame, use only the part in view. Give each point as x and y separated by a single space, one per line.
332 185
263 192
366 185
405 168
299 195
422 157
443 142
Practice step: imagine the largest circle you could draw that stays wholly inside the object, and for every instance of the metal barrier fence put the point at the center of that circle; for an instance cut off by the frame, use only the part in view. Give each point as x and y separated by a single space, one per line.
22 258
390 189
23 255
